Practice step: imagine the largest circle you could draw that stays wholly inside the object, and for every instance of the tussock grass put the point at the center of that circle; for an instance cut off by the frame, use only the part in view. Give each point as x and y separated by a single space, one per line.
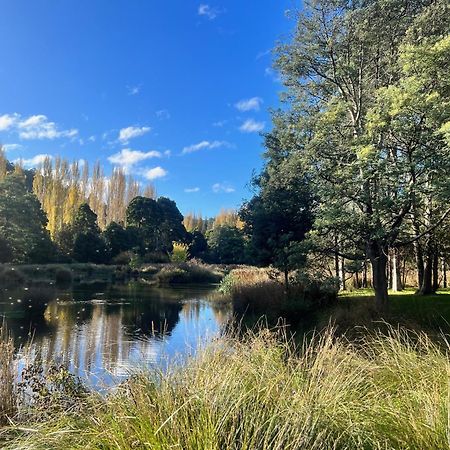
8 399
260 291
389 391
188 272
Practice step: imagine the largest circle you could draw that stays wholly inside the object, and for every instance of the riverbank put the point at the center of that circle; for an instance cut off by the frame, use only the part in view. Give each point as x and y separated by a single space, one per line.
260 392
162 274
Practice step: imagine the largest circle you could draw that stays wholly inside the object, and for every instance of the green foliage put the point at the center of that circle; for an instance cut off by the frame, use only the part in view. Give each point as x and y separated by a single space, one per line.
198 245
22 223
188 273
179 253
117 238
227 245
157 223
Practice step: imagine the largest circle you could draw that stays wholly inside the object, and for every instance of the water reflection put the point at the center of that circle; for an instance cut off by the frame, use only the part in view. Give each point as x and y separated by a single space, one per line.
102 334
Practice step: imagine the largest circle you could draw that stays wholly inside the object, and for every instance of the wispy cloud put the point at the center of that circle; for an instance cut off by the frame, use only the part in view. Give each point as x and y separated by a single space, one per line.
252 126
10 147
219 123
125 134
192 190
263 54
34 127
271 73
128 158
7 121
154 173
163 114
225 188
249 104
133 90
203 145
34 161
208 11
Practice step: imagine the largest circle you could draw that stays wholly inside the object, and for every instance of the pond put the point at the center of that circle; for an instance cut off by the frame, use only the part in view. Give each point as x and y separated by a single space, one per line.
104 333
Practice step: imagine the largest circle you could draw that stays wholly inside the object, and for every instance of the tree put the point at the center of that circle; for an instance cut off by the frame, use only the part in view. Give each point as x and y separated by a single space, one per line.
227 245
280 214
198 246
117 239
22 223
341 62
88 244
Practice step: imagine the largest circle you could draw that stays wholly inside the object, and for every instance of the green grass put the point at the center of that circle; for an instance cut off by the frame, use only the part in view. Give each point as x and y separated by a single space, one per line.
404 306
390 391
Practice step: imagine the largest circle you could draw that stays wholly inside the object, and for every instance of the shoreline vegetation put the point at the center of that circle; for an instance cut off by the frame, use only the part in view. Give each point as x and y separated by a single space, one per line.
258 390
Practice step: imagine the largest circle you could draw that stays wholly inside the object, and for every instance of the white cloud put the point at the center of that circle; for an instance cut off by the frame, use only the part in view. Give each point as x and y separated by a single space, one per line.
249 104
251 126
222 188
163 114
219 123
34 127
7 121
191 190
208 11
204 145
34 161
91 138
39 127
128 133
269 72
127 158
153 174
263 54
133 90
10 147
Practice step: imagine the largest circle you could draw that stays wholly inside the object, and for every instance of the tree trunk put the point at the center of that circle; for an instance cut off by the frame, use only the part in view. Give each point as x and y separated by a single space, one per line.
396 278
444 273
419 263
342 274
378 258
435 270
364 281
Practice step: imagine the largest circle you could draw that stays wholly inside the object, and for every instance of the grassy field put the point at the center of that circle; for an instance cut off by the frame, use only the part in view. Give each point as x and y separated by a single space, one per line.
390 391
415 311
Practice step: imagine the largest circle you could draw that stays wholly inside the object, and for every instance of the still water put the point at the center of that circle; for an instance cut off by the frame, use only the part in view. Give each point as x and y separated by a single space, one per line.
104 333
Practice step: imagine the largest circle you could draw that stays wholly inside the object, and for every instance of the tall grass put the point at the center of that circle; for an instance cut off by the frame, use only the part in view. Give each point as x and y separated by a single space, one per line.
263 392
8 403
256 291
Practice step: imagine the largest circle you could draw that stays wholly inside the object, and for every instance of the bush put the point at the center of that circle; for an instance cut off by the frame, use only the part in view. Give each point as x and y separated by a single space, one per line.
123 258
63 277
188 273
259 292
179 253
10 277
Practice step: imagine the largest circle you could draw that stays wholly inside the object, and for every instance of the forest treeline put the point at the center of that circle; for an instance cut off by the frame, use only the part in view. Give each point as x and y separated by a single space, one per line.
358 161
61 212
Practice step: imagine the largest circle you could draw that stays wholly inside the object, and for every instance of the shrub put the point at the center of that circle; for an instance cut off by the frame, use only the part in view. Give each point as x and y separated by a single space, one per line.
258 292
188 273
179 253
123 258
63 277
10 277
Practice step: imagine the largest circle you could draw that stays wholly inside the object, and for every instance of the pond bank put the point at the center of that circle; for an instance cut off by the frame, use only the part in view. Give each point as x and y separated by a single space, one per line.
260 392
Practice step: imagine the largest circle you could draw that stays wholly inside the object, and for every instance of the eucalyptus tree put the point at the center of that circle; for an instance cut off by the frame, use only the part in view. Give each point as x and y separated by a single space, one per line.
353 91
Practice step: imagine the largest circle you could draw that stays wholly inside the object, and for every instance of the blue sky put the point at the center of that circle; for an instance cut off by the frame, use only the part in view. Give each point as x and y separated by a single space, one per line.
174 91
